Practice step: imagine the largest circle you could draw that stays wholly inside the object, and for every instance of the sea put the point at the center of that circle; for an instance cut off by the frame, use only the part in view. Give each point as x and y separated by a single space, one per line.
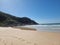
45 28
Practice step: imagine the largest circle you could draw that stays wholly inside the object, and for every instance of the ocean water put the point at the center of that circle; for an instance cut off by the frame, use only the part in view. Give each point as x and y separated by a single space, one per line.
46 28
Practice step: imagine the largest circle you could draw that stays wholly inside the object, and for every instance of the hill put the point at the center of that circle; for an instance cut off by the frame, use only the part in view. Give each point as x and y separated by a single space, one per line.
10 20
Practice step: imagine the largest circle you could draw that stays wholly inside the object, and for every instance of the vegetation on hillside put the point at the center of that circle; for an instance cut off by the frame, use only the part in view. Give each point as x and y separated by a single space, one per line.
9 20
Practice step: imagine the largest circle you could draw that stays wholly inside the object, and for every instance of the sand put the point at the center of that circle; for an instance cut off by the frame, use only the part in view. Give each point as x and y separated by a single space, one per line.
13 36
25 28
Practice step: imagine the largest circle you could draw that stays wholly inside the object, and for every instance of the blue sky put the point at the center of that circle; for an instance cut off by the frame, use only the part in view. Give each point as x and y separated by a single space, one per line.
42 11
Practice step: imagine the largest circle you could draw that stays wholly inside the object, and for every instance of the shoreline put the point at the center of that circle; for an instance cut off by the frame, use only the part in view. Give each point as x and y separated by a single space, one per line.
14 36
25 28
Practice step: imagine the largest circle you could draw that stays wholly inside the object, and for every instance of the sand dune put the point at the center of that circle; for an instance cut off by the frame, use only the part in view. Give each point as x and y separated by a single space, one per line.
13 36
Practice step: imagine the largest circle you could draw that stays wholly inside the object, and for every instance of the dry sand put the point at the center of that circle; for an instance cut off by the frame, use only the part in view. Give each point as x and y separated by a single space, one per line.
11 36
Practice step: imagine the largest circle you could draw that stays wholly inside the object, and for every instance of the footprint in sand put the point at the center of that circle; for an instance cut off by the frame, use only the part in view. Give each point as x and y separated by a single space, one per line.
35 44
29 42
2 41
26 41
18 39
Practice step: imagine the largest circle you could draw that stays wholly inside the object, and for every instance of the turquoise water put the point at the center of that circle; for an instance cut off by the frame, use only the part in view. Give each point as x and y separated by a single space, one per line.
47 28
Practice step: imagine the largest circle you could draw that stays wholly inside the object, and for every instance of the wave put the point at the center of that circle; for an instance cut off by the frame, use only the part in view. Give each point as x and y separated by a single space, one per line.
49 28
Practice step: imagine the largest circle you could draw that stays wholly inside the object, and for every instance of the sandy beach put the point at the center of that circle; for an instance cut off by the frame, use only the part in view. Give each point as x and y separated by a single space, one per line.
13 36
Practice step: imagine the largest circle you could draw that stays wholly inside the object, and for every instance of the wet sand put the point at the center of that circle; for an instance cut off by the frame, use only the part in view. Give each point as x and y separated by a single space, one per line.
25 28
13 36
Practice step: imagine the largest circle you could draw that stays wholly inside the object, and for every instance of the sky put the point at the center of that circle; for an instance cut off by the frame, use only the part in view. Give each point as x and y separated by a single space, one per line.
42 11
